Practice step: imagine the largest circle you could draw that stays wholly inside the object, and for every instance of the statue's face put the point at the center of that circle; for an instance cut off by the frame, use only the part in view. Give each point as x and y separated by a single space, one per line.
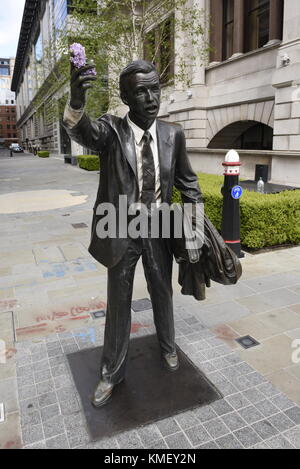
143 98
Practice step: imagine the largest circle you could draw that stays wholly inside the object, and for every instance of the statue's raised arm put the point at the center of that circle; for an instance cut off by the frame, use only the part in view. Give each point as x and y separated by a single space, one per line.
79 126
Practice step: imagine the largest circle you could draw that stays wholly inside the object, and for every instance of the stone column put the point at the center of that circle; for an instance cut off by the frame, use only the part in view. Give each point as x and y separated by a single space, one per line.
198 73
216 36
276 9
291 20
238 28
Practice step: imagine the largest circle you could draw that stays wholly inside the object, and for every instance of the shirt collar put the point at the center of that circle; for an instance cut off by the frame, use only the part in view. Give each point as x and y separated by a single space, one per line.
139 133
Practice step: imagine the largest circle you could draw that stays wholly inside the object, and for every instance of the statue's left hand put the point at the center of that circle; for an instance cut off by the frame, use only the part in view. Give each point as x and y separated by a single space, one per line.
80 84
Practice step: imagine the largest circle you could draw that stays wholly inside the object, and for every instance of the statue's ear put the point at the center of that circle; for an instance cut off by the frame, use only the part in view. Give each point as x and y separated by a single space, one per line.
124 98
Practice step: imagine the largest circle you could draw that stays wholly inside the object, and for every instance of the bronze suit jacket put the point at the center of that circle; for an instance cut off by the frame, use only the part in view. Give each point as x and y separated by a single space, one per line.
113 139
217 262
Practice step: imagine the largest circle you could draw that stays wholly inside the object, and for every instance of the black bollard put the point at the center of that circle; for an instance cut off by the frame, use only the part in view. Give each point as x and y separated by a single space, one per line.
232 192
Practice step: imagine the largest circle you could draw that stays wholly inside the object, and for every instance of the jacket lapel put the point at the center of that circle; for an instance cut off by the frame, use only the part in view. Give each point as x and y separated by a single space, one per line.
164 141
128 146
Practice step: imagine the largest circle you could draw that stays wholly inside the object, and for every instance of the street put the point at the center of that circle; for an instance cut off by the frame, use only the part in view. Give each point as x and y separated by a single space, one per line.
50 286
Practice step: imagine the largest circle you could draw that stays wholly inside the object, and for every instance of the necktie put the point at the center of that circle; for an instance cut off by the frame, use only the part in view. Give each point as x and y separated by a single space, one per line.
148 190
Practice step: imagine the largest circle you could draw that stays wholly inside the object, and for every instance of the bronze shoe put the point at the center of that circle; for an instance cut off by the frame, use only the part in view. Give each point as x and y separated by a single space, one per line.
102 393
171 361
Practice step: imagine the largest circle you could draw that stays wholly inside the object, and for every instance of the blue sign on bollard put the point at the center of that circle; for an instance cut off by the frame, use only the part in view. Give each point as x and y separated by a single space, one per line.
236 192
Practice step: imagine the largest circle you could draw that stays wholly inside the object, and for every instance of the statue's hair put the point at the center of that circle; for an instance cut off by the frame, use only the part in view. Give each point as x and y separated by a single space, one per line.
138 66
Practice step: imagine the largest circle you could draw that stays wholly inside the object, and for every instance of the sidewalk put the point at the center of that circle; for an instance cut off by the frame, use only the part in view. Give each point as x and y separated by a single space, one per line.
50 285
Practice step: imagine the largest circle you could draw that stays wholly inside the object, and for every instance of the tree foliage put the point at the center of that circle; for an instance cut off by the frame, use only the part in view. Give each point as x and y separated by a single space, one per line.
116 32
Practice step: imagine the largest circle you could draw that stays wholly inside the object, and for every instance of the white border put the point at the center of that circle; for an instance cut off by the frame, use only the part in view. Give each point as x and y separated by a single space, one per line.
2 415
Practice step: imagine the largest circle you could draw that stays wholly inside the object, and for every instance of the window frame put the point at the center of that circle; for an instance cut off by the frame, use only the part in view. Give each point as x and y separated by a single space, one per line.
225 24
248 38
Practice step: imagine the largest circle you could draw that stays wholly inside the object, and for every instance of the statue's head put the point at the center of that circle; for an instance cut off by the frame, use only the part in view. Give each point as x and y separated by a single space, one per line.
140 90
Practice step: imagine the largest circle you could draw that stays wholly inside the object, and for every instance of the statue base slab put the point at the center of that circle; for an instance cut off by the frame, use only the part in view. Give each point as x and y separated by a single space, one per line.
149 392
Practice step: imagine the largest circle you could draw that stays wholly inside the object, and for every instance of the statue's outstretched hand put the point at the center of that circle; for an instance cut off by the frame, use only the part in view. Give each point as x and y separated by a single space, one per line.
81 81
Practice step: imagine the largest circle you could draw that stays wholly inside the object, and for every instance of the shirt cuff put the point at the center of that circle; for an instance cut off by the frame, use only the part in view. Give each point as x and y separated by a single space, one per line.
72 116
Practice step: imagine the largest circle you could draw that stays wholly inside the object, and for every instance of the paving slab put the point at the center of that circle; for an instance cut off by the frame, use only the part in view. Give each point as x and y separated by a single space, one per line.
281 297
272 282
65 279
287 383
222 313
272 355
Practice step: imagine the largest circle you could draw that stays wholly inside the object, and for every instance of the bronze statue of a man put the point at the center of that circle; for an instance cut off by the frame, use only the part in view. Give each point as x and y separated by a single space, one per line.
142 158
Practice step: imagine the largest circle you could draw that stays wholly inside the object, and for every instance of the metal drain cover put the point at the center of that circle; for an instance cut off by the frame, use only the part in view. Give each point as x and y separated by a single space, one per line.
247 341
141 305
98 314
79 225
2 416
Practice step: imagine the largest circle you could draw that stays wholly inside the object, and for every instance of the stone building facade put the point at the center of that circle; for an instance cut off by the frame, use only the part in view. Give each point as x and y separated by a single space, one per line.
246 96
40 127
8 130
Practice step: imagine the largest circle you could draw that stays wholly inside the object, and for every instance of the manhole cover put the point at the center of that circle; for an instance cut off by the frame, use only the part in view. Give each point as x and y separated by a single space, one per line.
98 314
141 305
247 341
2 416
79 225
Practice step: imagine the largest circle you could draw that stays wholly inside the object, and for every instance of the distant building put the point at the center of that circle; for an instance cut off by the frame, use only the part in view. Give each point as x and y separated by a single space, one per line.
40 127
247 95
8 130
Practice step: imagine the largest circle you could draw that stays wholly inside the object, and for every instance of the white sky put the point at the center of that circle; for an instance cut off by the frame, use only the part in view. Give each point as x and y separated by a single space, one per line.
11 14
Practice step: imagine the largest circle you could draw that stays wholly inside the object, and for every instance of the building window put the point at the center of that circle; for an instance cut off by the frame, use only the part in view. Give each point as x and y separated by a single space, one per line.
159 49
38 49
228 12
60 13
4 71
8 126
239 26
257 24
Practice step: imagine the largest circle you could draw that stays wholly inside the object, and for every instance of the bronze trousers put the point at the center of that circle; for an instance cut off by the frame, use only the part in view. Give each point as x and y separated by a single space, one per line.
157 262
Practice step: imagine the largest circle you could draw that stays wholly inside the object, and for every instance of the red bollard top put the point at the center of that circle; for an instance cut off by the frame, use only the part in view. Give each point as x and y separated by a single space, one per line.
232 164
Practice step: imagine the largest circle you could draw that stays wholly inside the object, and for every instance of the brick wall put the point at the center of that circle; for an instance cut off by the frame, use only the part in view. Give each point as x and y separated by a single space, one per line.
8 133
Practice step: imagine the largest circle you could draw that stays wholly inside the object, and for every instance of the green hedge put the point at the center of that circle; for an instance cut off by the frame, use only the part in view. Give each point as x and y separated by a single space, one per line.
43 154
266 219
89 162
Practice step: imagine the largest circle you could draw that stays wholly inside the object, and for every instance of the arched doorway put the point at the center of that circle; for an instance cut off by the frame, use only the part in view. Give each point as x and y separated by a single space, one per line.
244 135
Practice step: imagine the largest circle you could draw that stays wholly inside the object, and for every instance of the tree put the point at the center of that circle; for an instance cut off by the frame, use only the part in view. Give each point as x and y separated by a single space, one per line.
124 30
115 32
